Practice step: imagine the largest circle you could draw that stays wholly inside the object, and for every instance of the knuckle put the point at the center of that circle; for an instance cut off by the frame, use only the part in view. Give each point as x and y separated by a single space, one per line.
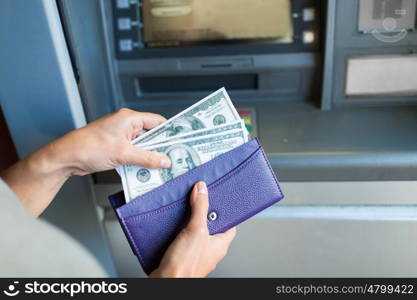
123 111
194 199
153 115
160 116
200 199
197 230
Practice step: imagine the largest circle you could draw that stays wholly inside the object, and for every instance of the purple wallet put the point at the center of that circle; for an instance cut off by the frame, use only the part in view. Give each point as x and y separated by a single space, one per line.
241 183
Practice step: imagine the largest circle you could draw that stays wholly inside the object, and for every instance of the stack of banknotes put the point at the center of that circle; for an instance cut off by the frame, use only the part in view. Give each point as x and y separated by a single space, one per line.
193 137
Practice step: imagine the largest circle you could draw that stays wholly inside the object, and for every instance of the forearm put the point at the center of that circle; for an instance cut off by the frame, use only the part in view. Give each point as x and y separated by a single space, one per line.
102 145
37 179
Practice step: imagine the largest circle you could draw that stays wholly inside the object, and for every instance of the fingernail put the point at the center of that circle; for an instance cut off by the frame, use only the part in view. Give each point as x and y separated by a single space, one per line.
202 188
164 163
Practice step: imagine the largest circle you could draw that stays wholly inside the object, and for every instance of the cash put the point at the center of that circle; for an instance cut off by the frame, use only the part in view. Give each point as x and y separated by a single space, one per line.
200 133
214 110
185 155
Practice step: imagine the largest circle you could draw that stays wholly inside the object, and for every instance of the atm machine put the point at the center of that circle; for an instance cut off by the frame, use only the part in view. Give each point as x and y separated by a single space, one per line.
329 87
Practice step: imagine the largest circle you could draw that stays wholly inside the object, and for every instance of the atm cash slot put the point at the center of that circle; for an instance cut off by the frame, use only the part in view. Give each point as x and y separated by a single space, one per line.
197 64
196 83
285 82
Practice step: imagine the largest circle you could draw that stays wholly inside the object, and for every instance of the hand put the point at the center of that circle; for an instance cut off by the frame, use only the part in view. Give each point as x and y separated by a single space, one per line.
195 253
106 143
101 145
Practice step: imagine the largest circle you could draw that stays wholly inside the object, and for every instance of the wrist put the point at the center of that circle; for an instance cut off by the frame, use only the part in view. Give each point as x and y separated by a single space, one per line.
36 179
51 160
73 152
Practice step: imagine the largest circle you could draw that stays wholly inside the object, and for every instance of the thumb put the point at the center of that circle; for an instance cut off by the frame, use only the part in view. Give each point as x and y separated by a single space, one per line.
148 159
199 207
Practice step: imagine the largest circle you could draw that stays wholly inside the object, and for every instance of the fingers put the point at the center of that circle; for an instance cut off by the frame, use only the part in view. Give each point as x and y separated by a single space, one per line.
147 120
142 124
140 120
130 155
132 114
138 157
152 120
144 121
199 207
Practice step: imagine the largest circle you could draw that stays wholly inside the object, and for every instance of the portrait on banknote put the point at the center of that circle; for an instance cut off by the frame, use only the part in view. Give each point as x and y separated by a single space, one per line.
183 159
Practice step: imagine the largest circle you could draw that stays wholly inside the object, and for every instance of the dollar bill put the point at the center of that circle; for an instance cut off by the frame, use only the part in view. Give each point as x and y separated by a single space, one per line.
214 110
199 133
184 154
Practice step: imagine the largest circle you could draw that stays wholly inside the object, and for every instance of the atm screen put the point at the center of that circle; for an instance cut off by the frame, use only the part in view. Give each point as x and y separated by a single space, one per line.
170 23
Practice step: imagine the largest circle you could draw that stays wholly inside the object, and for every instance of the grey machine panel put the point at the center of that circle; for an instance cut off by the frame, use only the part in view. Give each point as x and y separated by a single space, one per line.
41 102
305 138
320 144
310 130
350 41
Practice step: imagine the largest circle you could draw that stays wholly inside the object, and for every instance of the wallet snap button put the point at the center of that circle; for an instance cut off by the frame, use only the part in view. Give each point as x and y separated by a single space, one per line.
212 216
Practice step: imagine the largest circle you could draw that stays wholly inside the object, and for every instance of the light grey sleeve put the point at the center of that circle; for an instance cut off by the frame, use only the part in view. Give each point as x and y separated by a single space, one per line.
32 247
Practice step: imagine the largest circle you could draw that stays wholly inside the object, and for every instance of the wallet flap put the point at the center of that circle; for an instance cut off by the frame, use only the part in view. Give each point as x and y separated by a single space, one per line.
179 187
247 190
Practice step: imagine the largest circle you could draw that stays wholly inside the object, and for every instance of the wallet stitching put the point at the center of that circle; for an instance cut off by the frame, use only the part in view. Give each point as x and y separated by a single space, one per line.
214 184
272 172
158 210
227 177
188 174
133 241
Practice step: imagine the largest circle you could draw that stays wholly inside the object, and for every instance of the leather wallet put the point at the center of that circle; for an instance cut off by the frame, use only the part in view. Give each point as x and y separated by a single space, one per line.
240 183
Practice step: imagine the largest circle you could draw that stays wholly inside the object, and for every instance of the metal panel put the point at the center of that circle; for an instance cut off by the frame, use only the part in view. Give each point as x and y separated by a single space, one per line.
349 42
31 86
308 241
324 193
41 102
270 246
86 22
